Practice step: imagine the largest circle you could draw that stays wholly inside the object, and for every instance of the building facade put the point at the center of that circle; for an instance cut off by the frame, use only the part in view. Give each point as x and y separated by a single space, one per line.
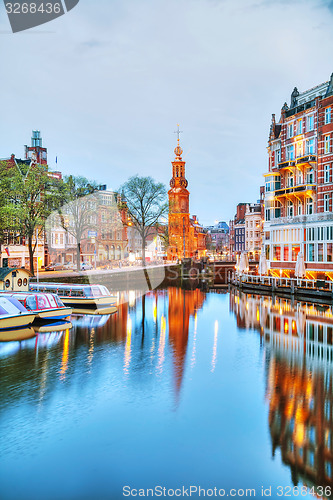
298 185
253 228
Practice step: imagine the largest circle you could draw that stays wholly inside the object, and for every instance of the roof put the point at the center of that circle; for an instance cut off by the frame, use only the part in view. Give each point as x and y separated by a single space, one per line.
4 271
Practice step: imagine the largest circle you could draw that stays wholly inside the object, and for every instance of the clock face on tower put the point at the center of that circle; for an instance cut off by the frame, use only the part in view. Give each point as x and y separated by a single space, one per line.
183 183
172 183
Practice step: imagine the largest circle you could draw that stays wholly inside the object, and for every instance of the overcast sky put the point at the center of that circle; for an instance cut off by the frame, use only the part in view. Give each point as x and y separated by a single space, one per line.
108 82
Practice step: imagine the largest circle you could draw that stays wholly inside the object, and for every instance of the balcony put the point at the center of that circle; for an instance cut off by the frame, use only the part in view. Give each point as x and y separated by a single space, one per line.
306 159
302 219
286 164
303 189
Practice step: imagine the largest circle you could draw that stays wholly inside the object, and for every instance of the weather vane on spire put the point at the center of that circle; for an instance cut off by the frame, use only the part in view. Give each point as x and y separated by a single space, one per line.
178 132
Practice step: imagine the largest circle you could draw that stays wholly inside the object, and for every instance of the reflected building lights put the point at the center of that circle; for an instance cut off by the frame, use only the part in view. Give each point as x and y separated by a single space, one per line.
193 357
216 329
64 362
161 346
91 346
128 345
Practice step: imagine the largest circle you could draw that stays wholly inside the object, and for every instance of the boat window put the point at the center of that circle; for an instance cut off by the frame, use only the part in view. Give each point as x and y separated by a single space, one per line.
77 293
25 282
9 305
31 303
51 299
58 301
19 282
105 291
65 293
17 304
88 291
42 302
96 291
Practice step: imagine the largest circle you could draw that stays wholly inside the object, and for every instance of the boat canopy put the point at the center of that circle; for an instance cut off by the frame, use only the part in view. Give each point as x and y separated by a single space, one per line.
70 290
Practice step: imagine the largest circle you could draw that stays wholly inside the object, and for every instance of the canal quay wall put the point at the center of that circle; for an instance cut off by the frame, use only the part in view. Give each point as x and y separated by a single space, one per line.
300 289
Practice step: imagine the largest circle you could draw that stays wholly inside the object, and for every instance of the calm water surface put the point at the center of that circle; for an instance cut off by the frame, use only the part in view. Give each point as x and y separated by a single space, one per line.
178 388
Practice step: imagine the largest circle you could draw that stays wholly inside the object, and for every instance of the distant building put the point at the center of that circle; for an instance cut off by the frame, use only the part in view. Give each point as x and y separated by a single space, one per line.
253 226
219 235
237 231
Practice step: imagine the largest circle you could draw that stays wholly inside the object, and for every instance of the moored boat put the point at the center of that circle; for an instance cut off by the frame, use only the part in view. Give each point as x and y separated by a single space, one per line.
78 296
13 314
46 306
17 334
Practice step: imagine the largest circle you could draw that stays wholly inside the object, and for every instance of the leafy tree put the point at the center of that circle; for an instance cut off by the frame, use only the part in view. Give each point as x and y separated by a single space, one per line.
31 194
146 204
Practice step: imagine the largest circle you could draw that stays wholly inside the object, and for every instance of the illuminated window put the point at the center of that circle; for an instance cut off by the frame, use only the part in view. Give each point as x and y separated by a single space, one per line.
327 144
299 149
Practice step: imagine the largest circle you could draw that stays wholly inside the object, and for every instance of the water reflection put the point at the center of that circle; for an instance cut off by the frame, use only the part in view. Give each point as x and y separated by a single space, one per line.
298 351
152 330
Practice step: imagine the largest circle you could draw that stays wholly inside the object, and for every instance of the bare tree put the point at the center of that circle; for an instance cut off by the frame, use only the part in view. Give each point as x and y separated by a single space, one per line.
146 204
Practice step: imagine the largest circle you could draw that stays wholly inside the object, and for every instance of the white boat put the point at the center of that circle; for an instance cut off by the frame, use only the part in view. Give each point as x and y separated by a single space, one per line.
78 296
46 306
13 314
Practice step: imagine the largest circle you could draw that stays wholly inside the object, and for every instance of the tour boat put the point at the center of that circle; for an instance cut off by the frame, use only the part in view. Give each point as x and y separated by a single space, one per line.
77 295
46 306
13 314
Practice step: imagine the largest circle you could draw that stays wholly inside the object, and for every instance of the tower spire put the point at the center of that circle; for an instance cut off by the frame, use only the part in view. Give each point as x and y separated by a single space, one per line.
178 132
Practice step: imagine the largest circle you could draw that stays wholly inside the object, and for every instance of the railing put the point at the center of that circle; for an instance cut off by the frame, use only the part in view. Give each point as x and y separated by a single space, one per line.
295 189
276 282
324 216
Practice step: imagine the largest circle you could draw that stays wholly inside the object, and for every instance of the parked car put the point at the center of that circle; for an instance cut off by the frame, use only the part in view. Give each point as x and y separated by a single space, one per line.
55 267
70 266
85 266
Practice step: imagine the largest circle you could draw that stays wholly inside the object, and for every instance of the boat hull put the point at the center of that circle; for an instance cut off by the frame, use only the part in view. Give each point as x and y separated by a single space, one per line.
17 321
82 302
54 314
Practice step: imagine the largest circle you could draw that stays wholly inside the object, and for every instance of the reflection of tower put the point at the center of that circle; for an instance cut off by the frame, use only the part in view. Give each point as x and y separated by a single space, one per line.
36 148
182 305
179 211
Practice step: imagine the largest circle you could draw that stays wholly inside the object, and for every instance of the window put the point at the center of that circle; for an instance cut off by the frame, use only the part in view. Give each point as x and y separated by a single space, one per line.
329 252
299 126
290 179
299 177
290 152
327 144
327 172
328 115
320 252
310 252
310 146
309 206
299 208
326 202
290 130
290 209
299 149
277 156
310 123
309 176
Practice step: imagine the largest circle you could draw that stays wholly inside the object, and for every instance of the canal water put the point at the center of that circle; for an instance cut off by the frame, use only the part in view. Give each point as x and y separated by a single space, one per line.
179 389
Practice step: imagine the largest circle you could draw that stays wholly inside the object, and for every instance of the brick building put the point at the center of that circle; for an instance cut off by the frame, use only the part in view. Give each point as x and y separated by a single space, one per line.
298 185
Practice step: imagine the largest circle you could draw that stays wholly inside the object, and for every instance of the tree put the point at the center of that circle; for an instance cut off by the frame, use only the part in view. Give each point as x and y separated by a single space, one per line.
78 214
146 204
31 195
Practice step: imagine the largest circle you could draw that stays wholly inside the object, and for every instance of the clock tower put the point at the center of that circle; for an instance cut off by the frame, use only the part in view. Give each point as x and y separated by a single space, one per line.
179 211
